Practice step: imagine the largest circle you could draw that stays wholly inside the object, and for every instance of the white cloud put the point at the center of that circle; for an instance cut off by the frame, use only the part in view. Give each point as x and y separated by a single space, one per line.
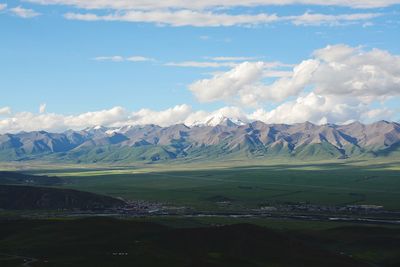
310 107
227 85
277 74
244 83
334 70
309 19
138 59
108 117
201 117
170 116
221 62
210 13
5 111
337 85
42 108
206 4
114 117
321 110
109 58
178 18
351 71
24 12
3 6
27 121
314 108
122 59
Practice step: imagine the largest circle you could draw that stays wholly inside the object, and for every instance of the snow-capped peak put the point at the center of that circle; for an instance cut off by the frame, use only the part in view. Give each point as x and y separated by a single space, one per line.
219 120
96 128
121 130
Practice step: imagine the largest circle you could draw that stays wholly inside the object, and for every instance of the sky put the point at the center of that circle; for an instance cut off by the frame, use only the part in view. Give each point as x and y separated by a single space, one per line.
72 64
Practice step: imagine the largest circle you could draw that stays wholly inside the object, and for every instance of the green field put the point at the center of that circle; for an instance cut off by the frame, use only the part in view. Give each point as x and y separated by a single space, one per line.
204 187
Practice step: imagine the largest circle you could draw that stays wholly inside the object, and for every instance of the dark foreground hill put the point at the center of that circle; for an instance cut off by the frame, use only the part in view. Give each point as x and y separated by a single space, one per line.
17 197
109 242
14 178
226 139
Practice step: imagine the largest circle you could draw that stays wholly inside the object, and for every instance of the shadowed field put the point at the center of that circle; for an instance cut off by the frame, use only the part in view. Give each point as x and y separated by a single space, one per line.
111 242
202 187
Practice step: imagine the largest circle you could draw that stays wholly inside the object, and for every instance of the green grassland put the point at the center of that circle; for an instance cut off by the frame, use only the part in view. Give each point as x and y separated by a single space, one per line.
205 186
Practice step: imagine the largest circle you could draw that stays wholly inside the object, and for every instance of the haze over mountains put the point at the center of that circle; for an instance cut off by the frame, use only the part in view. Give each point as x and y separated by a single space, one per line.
219 138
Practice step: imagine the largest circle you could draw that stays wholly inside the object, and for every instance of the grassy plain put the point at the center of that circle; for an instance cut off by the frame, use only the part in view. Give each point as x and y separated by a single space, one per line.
239 183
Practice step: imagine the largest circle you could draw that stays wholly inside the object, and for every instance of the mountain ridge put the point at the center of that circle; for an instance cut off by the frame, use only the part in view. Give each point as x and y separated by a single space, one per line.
225 139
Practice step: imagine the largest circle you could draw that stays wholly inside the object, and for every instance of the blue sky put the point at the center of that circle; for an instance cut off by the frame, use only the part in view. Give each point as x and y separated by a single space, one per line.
79 56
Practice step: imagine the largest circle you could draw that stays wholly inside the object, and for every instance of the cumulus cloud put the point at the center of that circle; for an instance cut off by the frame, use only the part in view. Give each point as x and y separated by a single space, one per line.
224 86
177 114
245 83
3 6
351 71
323 109
204 4
114 117
27 121
24 12
334 70
314 108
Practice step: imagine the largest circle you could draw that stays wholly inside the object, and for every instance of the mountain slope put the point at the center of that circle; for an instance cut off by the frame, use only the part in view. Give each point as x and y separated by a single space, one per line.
218 138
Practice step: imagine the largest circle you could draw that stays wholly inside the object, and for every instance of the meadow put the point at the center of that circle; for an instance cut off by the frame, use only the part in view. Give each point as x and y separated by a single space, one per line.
242 185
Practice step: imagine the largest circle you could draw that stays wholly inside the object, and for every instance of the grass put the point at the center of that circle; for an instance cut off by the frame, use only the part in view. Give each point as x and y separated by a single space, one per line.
202 186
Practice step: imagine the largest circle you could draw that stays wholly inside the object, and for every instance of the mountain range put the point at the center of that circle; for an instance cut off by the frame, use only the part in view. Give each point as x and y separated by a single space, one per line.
220 138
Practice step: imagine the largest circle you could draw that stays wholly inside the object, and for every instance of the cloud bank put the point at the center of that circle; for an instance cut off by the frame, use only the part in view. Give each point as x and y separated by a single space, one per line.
311 107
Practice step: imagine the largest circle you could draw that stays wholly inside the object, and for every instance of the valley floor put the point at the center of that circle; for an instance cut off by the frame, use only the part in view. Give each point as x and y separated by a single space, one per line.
336 213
